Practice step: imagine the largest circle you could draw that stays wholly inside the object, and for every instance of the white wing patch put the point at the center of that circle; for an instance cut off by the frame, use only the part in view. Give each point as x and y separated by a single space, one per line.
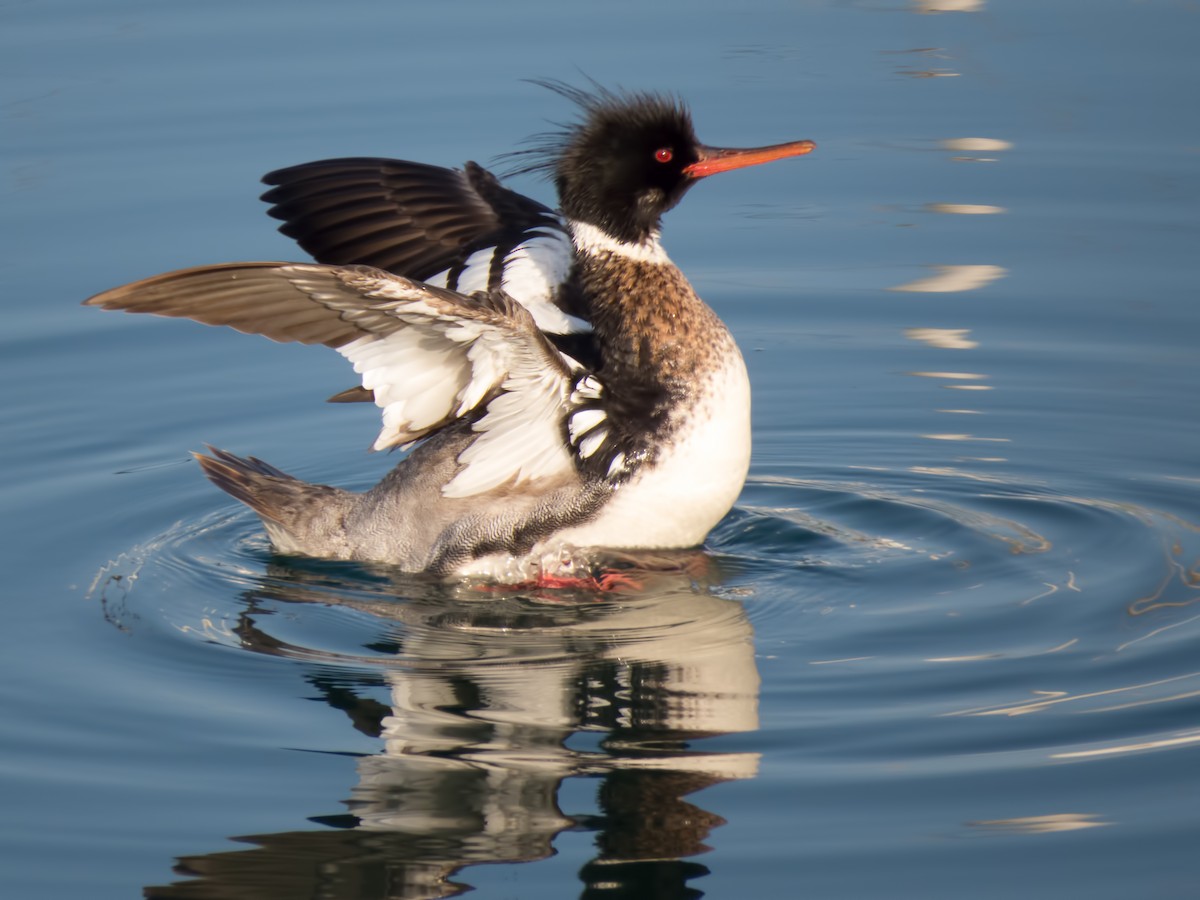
474 276
416 382
451 354
520 437
587 427
617 466
593 442
584 421
533 272
587 388
419 381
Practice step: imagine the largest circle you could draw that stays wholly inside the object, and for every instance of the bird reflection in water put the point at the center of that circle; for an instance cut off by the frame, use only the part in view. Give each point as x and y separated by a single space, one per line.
484 709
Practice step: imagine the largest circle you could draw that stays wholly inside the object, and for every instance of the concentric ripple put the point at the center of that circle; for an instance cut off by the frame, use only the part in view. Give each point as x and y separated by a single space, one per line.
887 556
916 632
1062 628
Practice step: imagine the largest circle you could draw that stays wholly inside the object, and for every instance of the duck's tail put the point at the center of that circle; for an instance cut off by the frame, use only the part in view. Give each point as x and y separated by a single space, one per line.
300 517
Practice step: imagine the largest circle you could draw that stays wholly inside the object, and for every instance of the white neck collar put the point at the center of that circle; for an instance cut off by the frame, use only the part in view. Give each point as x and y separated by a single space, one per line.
591 240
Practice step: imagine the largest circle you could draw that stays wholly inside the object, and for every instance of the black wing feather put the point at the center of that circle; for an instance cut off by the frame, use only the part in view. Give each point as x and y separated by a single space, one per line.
408 218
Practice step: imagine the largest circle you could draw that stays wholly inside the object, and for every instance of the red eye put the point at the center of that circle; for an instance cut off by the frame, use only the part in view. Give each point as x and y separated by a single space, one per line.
664 154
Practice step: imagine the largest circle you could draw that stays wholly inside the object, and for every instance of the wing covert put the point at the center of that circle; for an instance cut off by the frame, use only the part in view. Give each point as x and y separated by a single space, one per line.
457 229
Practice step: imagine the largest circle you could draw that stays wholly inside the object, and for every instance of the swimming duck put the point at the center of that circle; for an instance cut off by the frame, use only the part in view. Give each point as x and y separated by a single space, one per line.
560 384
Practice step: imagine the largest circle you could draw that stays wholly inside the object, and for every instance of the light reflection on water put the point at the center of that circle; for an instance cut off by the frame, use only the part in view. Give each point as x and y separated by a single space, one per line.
483 705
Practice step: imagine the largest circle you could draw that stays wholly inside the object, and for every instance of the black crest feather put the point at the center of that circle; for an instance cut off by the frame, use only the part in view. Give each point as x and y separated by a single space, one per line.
596 103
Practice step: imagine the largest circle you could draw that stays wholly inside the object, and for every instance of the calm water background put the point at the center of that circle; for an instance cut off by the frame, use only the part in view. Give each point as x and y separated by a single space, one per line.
947 643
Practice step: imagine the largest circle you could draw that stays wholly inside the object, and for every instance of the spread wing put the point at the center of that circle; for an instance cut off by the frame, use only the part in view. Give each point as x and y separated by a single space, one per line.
430 355
457 229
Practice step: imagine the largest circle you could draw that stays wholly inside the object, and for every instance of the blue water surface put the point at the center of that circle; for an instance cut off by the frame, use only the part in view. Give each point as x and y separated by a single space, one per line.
946 644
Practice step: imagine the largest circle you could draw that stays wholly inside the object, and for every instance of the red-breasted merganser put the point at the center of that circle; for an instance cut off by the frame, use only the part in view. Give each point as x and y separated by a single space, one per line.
563 385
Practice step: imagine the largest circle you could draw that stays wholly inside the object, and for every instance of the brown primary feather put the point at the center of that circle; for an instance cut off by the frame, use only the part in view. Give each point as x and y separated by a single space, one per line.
249 297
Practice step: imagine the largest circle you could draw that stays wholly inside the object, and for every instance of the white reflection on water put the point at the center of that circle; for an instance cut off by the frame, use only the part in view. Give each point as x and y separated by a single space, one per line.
976 145
964 436
1042 824
1048 699
950 376
942 338
1188 738
951 472
965 209
949 279
979 657
958 378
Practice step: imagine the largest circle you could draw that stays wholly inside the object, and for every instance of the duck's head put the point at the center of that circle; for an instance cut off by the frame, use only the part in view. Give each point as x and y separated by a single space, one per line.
632 157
